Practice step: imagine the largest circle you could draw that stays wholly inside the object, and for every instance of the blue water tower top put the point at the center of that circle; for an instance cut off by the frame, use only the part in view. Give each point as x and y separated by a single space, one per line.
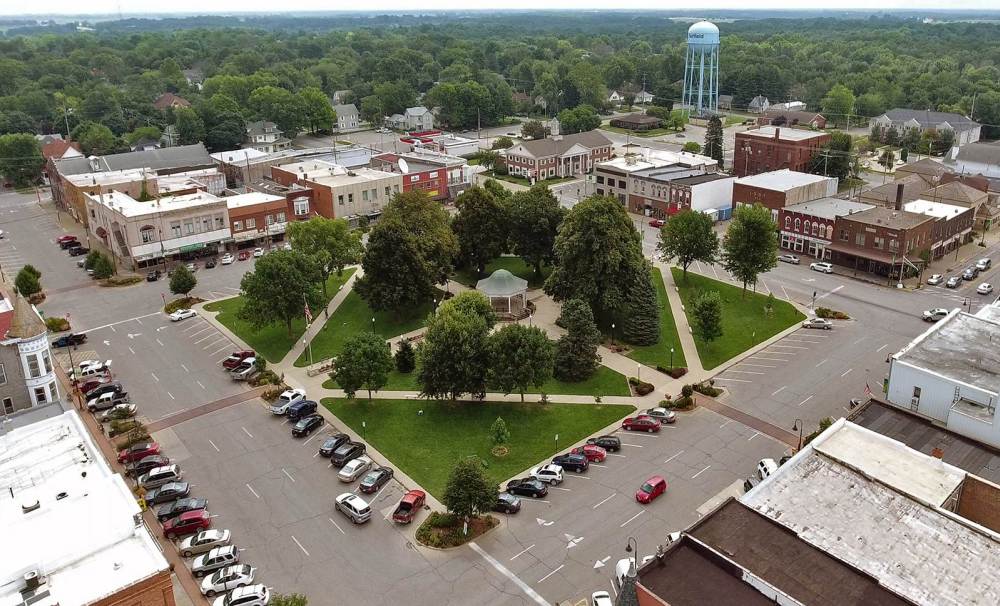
703 33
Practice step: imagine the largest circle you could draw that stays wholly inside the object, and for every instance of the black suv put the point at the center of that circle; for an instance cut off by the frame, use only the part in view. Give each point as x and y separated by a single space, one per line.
306 425
572 462
527 487
345 452
172 510
300 409
610 443
507 503
333 443
146 464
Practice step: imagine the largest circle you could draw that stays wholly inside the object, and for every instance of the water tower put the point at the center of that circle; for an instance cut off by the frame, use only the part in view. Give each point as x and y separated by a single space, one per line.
701 70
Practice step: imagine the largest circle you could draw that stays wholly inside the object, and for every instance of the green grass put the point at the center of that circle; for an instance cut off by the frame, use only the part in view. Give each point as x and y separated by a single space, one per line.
732 119
354 316
426 446
744 323
658 354
272 342
514 265
656 132
525 182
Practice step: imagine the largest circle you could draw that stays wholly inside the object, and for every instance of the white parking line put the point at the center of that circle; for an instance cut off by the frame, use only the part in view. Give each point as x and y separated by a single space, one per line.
637 434
562 489
310 439
534 501
734 380
157 379
195 325
728 421
161 343
112 328
131 350
881 348
746 372
561 566
859 340
335 525
171 396
756 365
674 457
632 445
822 362
221 339
768 359
253 491
219 361
531 593
577 476
788 347
701 472
207 337
214 446
521 553
755 434
185 368
625 523
300 545
598 465
287 475
200 385
611 454
779 390
846 372
204 327
806 400
245 431
605 500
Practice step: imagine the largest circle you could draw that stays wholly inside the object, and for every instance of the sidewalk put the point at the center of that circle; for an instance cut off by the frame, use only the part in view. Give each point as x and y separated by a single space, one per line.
318 323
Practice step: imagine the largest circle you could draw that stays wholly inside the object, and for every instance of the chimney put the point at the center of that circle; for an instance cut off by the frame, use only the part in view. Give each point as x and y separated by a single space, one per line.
777 134
898 204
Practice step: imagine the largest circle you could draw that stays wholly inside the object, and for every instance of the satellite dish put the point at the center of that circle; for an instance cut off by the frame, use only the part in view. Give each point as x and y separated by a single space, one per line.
403 166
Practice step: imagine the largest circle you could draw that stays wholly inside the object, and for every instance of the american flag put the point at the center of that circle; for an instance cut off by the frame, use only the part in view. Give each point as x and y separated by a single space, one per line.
309 316
868 390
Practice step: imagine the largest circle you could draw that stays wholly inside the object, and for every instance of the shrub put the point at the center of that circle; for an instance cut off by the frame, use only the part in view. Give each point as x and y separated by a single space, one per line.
676 372
103 267
182 303
27 281
831 314
686 391
682 403
36 298
272 394
122 281
120 414
706 389
56 324
640 388
267 377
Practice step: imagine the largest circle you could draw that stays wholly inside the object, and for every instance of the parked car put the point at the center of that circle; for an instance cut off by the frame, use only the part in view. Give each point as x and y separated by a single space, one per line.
81 263
935 279
91 368
228 578
65 240
70 340
550 474
219 557
333 443
124 410
765 467
933 315
650 489
236 358
210 263
750 481
507 503
641 423
159 476
660 414
147 463
138 451
354 507
593 452
953 282
657 223
227 259
245 370
168 492
286 399
254 595
153 276
820 323
612 443
187 523
527 487
345 452
182 314
601 598
301 409
970 273
376 479
78 251
172 510
206 540
95 386
408 506
353 469
192 266
258 252
985 288
786 258
107 400
822 267
306 425
243 255
571 462
983 264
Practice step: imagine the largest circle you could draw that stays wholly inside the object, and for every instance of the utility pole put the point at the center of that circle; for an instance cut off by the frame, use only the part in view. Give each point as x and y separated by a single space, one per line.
479 127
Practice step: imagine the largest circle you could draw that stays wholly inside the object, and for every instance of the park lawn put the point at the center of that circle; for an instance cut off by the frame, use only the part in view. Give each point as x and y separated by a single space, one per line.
515 265
743 321
426 446
658 354
353 316
272 342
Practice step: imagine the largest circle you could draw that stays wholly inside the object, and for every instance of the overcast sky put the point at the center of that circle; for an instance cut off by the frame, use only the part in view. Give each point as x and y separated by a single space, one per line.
187 6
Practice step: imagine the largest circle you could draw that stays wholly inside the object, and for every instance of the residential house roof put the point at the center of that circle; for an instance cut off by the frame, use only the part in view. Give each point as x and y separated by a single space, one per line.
170 100
792 117
929 119
340 95
956 192
560 144
182 156
982 153
59 148
725 98
25 323
638 119
262 127
828 208
417 111
345 109
927 168
759 101
885 195
890 218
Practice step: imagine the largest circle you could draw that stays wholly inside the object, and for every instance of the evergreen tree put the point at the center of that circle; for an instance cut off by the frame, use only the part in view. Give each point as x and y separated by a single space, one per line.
406 357
713 140
642 317
576 351
27 281
707 313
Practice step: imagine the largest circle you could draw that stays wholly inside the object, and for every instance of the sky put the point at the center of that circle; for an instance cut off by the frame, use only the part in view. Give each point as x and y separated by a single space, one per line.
10 7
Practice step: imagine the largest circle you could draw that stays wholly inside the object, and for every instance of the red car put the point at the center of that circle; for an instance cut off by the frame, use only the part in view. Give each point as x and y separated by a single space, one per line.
66 238
94 383
593 452
408 507
641 424
188 522
654 487
244 255
139 451
657 223
236 358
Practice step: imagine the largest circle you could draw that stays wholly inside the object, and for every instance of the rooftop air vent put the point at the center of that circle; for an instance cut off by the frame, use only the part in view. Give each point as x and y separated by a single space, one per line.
31 580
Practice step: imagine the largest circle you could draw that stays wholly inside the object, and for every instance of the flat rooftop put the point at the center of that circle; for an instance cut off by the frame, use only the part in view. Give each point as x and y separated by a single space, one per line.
251 199
782 180
357 175
86 544
962 347
186 180
828 208
647 158
111 177
130 207
939 210
785 134
826 495
890 218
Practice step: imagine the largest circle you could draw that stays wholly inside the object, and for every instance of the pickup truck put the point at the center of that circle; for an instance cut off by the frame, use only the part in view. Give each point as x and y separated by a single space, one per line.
107 400
408 507
236 358
245 370
70 340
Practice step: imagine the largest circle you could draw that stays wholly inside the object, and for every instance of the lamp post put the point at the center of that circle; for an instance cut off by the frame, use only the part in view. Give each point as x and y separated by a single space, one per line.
373 323
612 334
671 358
798 426
633 568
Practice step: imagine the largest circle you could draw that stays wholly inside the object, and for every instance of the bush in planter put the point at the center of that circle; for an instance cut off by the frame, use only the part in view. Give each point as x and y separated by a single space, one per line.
686 391
56 324
272 394
682 403
675 373
641 388
707 389
831 314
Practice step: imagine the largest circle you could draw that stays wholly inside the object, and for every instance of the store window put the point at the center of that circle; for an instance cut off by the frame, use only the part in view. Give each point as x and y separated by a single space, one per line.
3 375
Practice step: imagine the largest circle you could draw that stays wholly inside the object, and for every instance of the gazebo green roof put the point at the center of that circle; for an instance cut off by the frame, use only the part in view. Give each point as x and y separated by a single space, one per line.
502 283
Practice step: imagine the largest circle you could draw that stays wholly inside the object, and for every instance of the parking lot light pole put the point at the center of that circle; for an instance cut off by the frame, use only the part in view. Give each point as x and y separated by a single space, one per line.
798 426
671 358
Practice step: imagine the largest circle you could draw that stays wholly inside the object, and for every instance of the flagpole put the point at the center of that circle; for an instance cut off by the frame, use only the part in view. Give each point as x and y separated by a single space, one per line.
308 314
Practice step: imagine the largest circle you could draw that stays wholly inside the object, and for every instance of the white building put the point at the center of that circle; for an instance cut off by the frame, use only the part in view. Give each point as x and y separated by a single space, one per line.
454 145
348 118
73 533
27 370
950 374
417 118
266 137
965 129
798 106
976 159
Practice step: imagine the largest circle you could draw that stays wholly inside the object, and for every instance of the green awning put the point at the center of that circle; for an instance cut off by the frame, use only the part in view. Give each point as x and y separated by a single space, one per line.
192 247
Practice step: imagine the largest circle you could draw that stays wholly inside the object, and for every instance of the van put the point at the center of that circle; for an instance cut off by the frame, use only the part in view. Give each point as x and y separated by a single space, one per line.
301 409
766 467
158 476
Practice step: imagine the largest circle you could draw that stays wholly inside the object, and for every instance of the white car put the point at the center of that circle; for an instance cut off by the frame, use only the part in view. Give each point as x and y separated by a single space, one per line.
220 557
935 279
551 474
258 252
788 258
228 578
985 288
227 259
820 323
191 267
933 315
601 598
354 507
286 399
182 314
254 595
765 467
206 540
623 565
354 469
825 268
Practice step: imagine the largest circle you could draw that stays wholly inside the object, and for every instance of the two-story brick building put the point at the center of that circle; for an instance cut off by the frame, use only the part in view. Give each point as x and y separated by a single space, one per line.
340 192
780 188
952 226
881 240
440 176
257 219
808 227
769 148
558 156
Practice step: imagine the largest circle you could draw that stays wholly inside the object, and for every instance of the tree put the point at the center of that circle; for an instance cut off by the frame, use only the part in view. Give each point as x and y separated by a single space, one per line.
143 132
481 227
887 159
713 139
987 113
278 289
578 120
642 318
364 363
190 128
316 108
182 281
533 129
838 104
836 158
499 432
598 252
280 106
663 113
462 104
331 242
289 599
692 146
688 237
891 136
454 355
21 158
520 357
469 491
95 139
904 154
104 267
406 357
488 159
27 281
226 135
576 351
750 246
502 142
534 219
12 122
706 310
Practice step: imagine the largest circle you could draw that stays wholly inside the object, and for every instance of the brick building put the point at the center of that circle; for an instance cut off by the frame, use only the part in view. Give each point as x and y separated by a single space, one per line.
242 166
558 156
881 240
780 188
769 148
808 227
440 176
340 192
659 183
636 122
257 219
952 226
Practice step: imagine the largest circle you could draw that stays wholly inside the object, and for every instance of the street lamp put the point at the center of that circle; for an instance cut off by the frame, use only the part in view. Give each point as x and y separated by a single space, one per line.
373 323
612 333
671 358
633 568
798 426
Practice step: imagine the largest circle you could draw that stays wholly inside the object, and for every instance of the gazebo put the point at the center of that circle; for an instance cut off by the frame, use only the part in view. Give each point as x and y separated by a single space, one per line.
505 291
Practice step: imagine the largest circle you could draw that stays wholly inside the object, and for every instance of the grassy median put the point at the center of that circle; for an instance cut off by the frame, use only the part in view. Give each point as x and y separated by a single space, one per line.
658 354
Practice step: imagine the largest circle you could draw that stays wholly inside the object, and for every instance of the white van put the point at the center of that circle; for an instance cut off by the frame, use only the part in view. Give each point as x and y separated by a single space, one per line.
766 467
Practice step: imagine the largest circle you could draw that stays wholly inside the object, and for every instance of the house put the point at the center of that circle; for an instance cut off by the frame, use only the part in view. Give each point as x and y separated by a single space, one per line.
770 148
257 218
795 106
758 105
55 147
541 102
266 137
27 366
145 145
965 129
396 121
170 100
976 159
558 156
348 118
643 97
340 96
418 118
885 195
931 171
808 227
616 98
788 117
780 188
636 121
439 175
726 102
521 98
340 192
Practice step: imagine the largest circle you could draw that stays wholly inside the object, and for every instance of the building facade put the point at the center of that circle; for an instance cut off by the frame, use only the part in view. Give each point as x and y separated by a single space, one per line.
882 241
342 193
902 119
266 137
780 188
348 118
27 371
808 227
558 156
659 183
771 148
440 176
257 219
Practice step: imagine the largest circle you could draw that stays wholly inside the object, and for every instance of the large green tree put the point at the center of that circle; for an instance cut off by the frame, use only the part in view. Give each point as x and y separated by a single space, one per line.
521 357
190 127
706 310
469 491
27 281
280 106
21 159
481 226
641 325
751 244
454 356
836 157
579 119
838 104
331 242
688 237
316 109
713 140
364 363
535 216
95 139
576 351
279 287
182 280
